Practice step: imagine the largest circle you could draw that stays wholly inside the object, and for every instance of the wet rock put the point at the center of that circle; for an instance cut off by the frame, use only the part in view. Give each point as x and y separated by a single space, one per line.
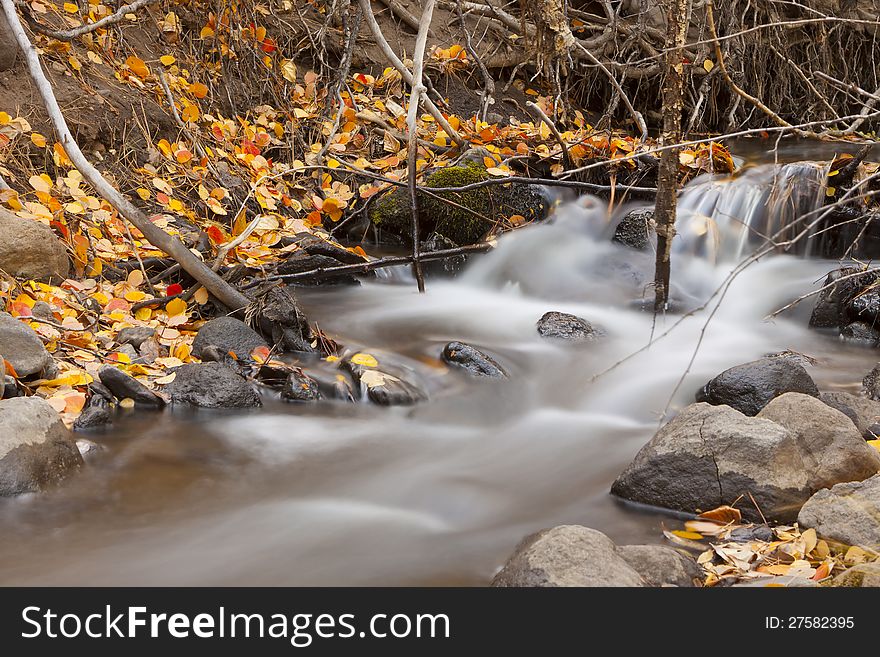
483 206
30 250
36 449
8 388
864 307
860 333
87 448
751 386
300 262
827 311
228 335
124 386
98 413
279 315
862 575
22 347
848 512
135 335
713 455
563 326
661 566
862 411
634 229
301 387
211 385
446 266
472 360
568 555
383 388
751 533
832 448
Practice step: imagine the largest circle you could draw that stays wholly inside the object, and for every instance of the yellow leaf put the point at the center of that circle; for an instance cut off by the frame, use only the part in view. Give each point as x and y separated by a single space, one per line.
167 60
143 314
288 70
190 113
175 307
366 360
830 191
875 444
71 8
693 536
127 403
41 183
708 65
38 140
74 63
143 193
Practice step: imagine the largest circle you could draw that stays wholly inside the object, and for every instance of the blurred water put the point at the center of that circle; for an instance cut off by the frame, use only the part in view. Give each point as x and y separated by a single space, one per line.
440 493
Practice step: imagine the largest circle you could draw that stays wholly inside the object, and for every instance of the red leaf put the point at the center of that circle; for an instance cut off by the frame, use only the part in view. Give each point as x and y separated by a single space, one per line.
173 289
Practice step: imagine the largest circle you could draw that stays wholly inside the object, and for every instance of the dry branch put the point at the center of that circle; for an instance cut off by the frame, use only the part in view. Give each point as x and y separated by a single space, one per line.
69 35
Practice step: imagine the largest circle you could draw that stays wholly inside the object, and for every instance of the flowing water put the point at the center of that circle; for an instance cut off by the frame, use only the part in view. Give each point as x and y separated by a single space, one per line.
439 493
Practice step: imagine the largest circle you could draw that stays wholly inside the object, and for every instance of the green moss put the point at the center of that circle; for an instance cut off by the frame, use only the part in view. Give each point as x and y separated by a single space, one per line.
475 213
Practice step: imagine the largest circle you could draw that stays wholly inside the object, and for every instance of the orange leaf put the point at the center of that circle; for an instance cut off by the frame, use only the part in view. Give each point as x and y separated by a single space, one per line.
137 66
723 515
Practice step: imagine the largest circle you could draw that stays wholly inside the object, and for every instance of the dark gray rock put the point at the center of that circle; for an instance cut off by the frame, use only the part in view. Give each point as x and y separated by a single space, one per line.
98 413
862 411
280 315
22 347
384 388
831 447
124 386
634 229
843 285
864 307
860 333
30 250
36 449
751 533
87 448
135 335
568 555
472 360
660 565
861 575
847 512
228 335
713 455
300 387
563 326
751 386
211 385
870 384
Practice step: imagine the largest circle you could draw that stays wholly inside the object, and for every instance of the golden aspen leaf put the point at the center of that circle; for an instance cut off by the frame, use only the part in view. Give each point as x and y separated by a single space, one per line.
41 183
830 191
366 360
207 32
38 140
143 314
708 65
175 307
693 536
143 193
875 444
167 60
75 64
127 403
135 278
137 66
190 113
288 70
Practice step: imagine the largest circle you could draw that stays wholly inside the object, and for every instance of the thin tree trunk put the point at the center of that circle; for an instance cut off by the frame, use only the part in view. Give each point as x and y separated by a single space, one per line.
222 290
677 12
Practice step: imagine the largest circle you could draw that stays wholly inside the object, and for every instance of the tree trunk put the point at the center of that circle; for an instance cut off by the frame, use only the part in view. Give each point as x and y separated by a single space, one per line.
677 17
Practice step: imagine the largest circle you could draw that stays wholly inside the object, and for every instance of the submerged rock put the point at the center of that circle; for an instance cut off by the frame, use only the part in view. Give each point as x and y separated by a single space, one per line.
483 207
30 250
228 335
472 360
22 347
847 512
98 413
751 386
568 555
124 386
36 449
860 333
381 387
564 326
211 385
299 386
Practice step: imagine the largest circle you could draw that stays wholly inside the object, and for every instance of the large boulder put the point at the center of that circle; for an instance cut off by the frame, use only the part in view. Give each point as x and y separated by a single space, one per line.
475 213
228 335
862 411
36 449
211 385
751 386
847 512
568 555
831 447
713 455
22 347
30 250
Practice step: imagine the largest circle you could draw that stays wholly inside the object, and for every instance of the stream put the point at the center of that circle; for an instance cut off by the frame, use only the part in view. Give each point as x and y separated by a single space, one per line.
441 492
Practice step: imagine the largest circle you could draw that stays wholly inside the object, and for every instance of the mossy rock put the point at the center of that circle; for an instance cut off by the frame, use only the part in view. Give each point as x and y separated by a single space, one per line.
485 206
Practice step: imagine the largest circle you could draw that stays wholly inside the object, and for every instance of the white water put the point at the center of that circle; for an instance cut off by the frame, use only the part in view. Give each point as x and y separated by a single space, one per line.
437 493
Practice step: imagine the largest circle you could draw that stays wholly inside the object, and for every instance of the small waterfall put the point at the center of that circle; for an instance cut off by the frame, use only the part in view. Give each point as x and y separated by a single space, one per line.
725 219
